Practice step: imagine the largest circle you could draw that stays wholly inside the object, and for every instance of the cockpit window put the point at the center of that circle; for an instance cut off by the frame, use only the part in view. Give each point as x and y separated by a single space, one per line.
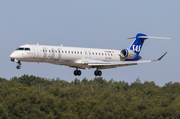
27 49
20 48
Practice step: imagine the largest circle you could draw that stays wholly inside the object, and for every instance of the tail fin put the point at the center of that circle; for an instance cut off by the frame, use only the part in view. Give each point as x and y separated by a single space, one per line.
137 44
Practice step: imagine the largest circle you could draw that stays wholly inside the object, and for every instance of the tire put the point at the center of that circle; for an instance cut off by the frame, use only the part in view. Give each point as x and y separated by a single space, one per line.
99 73
79 72
75 72
96 73
18 67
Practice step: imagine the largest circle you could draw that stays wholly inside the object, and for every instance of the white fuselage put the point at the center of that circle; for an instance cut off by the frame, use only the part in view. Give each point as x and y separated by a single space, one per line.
70 56
81 58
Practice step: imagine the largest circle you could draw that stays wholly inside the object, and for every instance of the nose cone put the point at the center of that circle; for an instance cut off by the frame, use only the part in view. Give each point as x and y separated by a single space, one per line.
14 55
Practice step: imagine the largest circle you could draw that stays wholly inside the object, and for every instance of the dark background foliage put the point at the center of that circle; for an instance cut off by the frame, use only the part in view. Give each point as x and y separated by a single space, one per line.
32 97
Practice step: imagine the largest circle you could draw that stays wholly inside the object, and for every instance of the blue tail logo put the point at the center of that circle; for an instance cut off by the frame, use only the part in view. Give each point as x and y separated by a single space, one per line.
136 46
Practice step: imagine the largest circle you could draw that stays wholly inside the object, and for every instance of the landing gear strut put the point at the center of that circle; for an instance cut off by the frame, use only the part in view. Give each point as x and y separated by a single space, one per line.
19 64
97 73
77 72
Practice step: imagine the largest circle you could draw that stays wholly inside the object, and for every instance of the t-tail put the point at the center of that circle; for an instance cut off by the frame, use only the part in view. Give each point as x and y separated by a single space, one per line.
132 53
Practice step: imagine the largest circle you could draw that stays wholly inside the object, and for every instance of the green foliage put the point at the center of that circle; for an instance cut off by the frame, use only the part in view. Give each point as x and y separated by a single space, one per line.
34 97
3 80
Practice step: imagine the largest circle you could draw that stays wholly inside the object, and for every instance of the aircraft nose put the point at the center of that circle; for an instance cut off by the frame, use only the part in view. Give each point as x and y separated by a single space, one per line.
13 55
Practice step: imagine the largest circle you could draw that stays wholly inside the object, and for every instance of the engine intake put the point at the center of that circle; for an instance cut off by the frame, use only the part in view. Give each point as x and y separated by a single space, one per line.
128 54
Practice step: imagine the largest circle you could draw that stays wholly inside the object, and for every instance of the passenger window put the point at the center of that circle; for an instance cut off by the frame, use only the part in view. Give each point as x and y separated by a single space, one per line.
52 50
96 53
77 52
65 51
62 51
46 50
108 54
93 53
49 50
81 52
56 51
105 54
68 51
111 54
43 50
102 54
74 52
99 53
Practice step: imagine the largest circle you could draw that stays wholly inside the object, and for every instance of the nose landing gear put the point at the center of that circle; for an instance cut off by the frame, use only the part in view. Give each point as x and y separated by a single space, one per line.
19 64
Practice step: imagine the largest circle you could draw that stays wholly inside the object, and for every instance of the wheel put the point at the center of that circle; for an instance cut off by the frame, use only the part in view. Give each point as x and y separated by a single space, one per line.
99 73
18 67
96 73
79 72
75 72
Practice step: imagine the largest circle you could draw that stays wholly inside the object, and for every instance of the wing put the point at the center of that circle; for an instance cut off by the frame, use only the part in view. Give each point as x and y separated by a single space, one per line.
106 65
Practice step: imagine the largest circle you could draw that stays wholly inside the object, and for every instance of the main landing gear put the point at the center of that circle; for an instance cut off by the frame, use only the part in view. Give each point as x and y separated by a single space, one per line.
97 73
77 72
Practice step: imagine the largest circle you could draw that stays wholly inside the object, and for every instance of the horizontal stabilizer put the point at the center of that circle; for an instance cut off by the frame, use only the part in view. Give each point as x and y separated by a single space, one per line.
149 37
152 37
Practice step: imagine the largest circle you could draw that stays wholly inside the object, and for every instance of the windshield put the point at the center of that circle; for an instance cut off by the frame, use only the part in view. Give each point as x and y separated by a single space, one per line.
26 49
20 48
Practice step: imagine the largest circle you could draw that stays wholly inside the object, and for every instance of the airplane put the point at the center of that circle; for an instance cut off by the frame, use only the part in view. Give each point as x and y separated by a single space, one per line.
82 58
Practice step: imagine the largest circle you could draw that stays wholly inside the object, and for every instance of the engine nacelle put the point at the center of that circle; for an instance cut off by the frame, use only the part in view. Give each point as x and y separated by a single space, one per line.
128 54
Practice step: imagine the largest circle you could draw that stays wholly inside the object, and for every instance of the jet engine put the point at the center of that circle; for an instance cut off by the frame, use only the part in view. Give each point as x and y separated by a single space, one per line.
128 54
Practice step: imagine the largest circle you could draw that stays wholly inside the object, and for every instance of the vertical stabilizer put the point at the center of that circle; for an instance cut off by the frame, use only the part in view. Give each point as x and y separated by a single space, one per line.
137 44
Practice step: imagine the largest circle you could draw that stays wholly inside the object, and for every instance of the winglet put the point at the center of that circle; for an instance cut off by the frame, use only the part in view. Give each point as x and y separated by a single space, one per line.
161 57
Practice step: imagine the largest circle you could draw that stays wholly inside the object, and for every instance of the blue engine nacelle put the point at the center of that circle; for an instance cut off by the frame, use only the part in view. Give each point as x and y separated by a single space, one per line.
128 54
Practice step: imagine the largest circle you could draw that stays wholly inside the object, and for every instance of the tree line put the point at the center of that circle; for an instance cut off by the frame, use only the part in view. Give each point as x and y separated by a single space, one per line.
31 97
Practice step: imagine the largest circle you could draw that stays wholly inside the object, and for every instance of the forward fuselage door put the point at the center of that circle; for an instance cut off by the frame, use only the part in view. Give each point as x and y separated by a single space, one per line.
41 53
35 51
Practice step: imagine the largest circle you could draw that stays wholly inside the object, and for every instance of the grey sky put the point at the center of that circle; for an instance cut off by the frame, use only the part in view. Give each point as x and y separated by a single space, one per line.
97 24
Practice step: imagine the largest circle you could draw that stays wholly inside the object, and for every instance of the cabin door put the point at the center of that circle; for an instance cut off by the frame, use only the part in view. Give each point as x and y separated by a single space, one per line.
35 51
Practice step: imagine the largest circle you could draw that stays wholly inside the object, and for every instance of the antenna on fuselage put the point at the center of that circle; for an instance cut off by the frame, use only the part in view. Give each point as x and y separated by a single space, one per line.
37 43
61 45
